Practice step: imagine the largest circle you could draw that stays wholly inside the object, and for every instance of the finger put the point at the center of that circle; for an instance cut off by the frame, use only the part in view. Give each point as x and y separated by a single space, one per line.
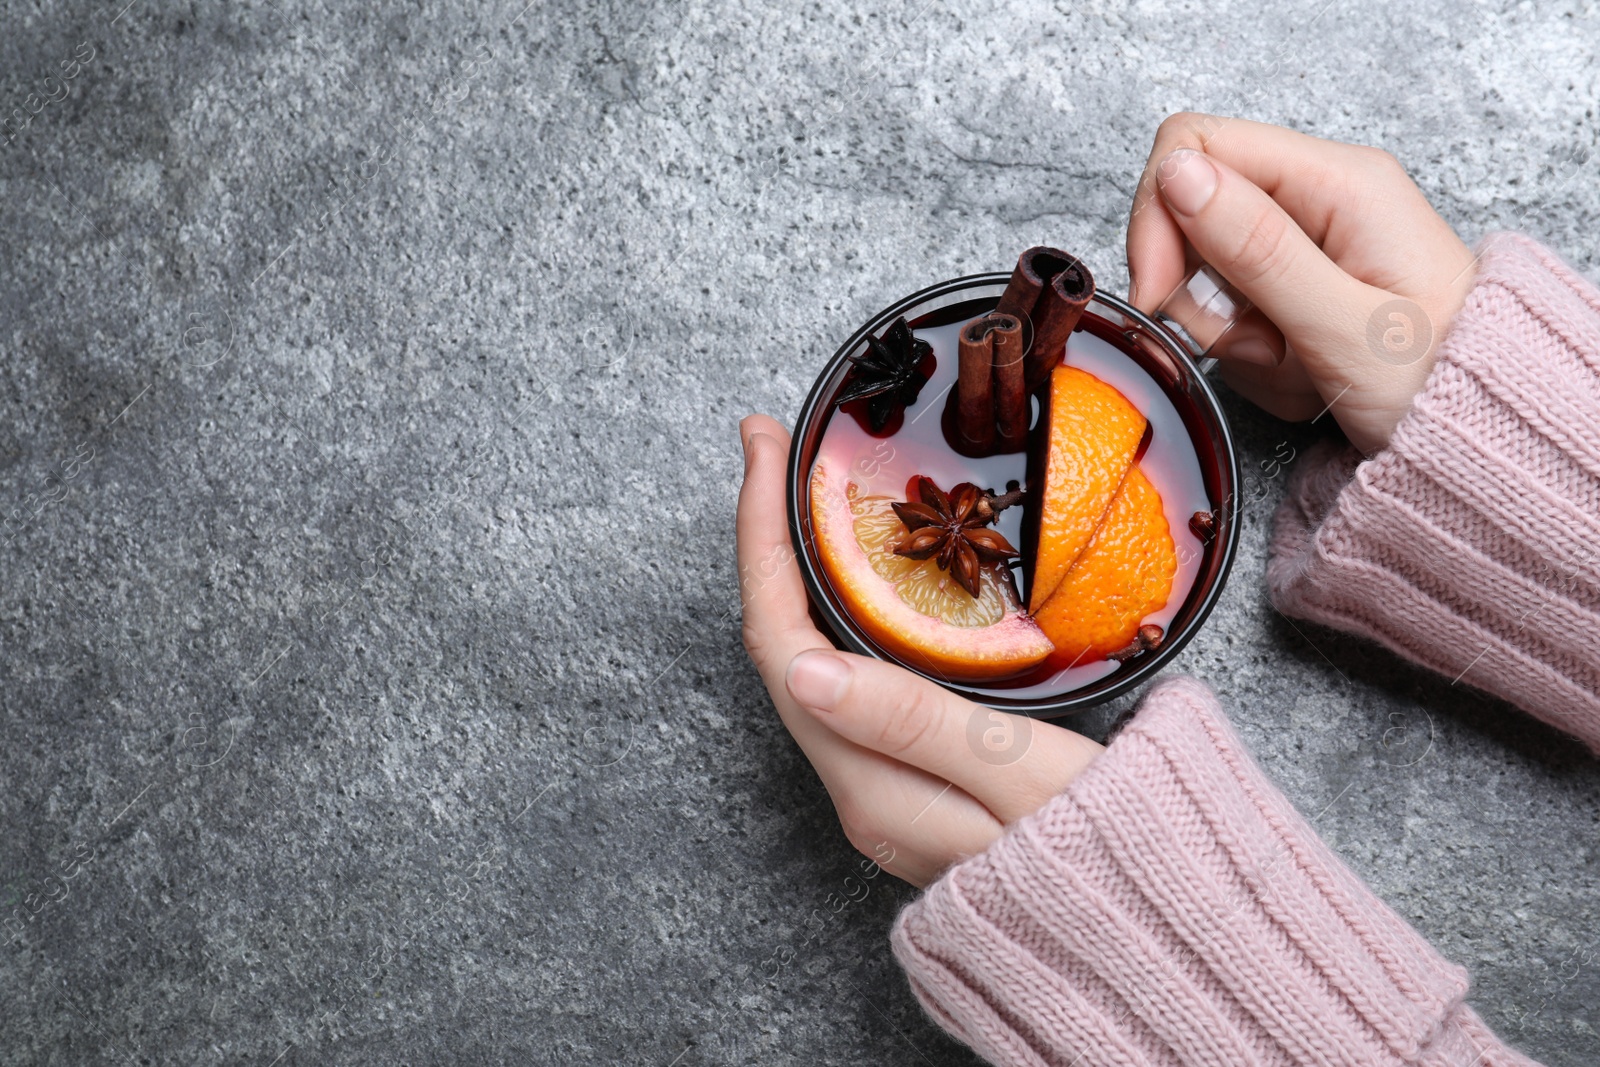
1293 168
1009 763
1284 390
1356 202
910 822
777 621
1316 181
1264 347
1304 174
1259 386
1253 243
1155 243
1158 252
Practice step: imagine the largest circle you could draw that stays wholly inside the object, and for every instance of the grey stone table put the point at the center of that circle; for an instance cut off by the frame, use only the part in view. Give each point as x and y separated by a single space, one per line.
370 680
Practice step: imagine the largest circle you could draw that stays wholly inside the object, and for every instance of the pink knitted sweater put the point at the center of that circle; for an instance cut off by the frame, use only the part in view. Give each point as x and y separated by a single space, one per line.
1171 907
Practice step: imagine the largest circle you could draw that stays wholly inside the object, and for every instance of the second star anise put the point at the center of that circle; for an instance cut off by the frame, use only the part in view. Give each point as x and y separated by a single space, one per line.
889 375
952 529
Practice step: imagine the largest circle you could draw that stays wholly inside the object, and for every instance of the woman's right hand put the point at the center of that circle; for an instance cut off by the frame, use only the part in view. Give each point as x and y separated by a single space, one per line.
1333 242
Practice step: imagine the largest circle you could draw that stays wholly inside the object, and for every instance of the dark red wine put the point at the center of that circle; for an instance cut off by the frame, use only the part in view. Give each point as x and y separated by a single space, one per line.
915 443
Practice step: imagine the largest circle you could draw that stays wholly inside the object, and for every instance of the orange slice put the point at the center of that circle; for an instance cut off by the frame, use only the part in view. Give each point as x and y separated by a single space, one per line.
914 610
1094 437
1124 574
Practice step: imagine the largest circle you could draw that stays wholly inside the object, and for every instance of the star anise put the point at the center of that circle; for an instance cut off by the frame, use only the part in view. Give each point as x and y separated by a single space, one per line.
889 376
953 530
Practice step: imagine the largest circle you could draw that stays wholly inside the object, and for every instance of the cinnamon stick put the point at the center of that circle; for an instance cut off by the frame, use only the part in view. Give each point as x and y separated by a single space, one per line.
1060 307
1048 289
1034 267
1011 393
975 386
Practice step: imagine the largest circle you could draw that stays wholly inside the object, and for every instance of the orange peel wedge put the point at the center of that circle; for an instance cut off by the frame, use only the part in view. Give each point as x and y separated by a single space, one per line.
1124 574
1094 437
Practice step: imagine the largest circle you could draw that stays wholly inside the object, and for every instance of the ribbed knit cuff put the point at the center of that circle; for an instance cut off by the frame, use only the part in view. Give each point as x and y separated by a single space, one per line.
1171 907
1472 543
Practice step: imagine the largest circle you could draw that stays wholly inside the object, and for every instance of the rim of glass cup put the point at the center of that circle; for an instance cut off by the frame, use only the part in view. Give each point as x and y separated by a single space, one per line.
824 601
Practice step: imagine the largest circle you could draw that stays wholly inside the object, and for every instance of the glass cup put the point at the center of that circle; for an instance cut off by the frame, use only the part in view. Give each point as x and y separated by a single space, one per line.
1163 356
1204 311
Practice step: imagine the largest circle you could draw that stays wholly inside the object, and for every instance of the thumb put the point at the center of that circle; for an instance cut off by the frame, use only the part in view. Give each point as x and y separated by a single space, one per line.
1256 246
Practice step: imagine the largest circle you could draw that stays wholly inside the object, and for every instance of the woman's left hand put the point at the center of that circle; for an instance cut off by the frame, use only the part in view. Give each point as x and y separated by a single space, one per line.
920 777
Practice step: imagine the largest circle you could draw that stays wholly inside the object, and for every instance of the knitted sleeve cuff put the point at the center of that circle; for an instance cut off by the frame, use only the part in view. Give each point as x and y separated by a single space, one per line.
1472 543
1171 907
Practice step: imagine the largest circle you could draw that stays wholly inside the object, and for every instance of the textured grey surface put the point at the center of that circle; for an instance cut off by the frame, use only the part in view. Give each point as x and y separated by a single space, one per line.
370 680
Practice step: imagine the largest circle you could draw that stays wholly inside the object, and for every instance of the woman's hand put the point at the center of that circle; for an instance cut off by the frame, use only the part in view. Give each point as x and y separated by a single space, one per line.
920 777
1333 242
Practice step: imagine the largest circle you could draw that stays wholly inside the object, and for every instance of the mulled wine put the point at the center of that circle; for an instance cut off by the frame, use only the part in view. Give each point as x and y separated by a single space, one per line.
1035 533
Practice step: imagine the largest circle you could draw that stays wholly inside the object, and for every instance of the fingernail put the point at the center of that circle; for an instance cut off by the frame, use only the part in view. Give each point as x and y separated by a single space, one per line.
1187 180
1252 350
818 679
